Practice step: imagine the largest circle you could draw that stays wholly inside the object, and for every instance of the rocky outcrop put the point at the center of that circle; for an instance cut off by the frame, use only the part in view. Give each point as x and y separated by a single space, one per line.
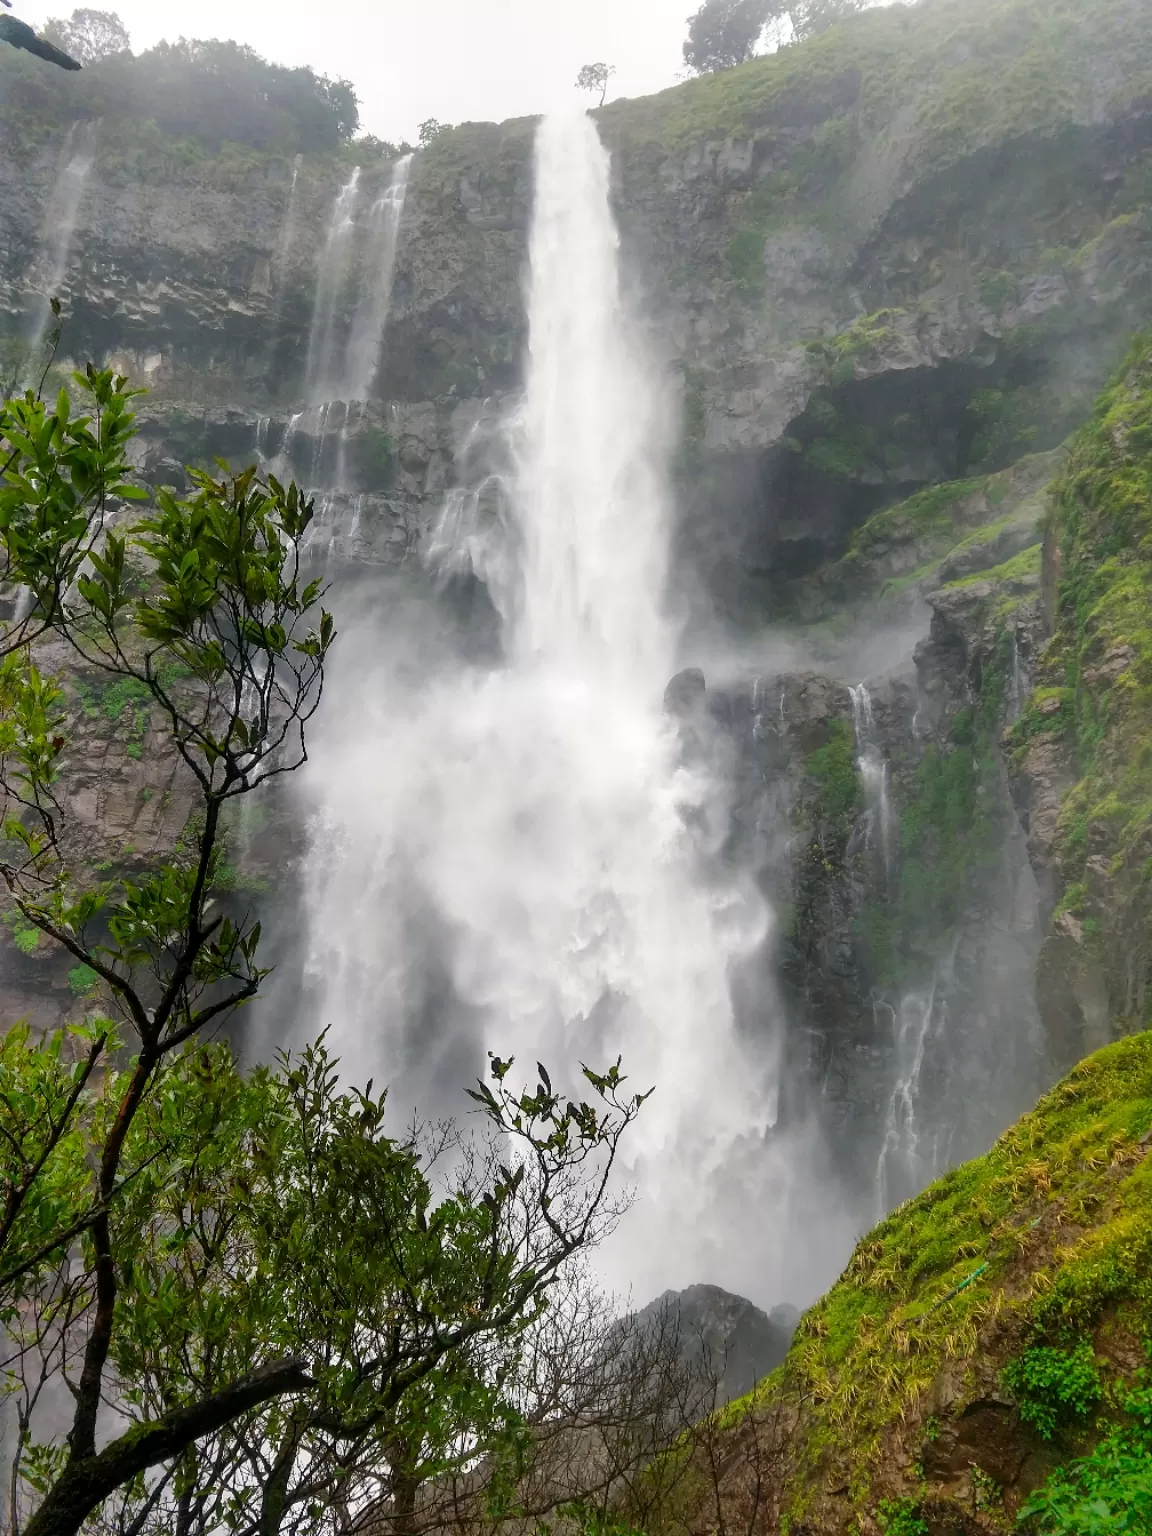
728 1341
1079 748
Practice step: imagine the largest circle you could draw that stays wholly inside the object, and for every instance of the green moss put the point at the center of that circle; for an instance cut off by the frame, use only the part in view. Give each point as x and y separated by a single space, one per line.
125 704
866 336
1050 1235
83 980
1024 567
695 419
1095 690
832 769
951 833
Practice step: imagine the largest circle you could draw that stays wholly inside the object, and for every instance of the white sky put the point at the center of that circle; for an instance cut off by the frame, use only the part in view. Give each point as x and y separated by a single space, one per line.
456 60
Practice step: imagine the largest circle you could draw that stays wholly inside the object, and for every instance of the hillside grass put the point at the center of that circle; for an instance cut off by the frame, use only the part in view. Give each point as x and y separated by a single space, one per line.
1045 1243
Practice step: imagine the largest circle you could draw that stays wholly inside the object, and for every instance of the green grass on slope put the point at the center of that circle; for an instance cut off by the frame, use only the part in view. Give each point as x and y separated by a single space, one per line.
1034 1245
979 70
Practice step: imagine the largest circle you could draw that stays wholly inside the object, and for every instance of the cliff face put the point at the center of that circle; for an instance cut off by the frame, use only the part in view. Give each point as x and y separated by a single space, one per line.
885 274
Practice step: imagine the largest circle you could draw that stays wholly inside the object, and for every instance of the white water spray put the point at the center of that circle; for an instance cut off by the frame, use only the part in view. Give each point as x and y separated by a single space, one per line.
363 351
909 1154
323 341
504 856
873 769
60 221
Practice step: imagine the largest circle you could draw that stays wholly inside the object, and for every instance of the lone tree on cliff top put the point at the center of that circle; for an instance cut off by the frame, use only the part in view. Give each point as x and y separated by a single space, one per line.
595 77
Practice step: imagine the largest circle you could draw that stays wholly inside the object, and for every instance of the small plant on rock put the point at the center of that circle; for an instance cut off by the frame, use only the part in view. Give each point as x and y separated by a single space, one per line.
1054 1387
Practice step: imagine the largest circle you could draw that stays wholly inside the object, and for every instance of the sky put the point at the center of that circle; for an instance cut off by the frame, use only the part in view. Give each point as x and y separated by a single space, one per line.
454 60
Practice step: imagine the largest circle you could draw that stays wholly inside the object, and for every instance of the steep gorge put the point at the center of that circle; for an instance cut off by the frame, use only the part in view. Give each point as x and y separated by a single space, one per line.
885 275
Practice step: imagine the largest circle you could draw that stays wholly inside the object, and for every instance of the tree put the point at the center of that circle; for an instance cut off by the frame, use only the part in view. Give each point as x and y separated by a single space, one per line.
724 33
810 17
89 35
595 77
429 131
246 1267
18 34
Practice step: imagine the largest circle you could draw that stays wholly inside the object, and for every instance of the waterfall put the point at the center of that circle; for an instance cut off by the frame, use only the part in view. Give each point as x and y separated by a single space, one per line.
343 369
363 351
61 215
873 769
323 344
909 1155
509 855
1017 684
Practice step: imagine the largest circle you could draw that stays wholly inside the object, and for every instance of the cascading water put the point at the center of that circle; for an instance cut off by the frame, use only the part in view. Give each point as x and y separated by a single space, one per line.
902 1169
284 247
873 769
363 351
511 857
324 354
60 221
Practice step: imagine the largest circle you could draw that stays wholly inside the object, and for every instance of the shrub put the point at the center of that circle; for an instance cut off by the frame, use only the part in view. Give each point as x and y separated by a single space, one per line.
901 1517
1107 1493
83 980
1054 1386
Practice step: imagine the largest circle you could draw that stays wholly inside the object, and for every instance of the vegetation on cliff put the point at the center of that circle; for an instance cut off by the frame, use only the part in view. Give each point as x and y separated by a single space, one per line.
289 1310
1089 723
987 1350
213 92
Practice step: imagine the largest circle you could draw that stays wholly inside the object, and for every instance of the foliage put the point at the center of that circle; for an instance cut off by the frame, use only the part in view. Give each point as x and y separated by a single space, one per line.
723 33
1106 1493
1095 687
285 1306
214 92
865 1356
375 452
1054 1386
83 980
26 940
595 77
901 1517
89 35
429 131
811 17
832 768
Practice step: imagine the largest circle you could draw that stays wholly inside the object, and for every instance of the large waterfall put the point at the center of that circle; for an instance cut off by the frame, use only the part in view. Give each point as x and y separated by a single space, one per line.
514 855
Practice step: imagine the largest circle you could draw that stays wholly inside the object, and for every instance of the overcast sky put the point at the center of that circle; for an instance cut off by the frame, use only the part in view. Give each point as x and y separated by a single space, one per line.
455 60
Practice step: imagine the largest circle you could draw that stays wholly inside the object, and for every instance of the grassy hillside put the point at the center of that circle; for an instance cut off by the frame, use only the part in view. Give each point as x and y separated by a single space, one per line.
985 1353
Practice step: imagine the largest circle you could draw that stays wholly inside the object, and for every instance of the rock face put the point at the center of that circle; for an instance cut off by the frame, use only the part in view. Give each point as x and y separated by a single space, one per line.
729 1339
884 275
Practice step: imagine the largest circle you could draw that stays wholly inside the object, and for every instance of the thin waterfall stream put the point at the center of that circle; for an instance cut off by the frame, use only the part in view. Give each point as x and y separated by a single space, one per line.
60 220
513 855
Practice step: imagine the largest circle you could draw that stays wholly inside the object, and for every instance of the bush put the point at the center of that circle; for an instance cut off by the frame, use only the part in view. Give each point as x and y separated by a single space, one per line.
901 1517
83 980
1108 1493
1054 1386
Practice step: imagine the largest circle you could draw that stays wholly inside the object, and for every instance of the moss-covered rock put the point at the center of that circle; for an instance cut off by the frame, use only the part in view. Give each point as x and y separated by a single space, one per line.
1083 748
988 1332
